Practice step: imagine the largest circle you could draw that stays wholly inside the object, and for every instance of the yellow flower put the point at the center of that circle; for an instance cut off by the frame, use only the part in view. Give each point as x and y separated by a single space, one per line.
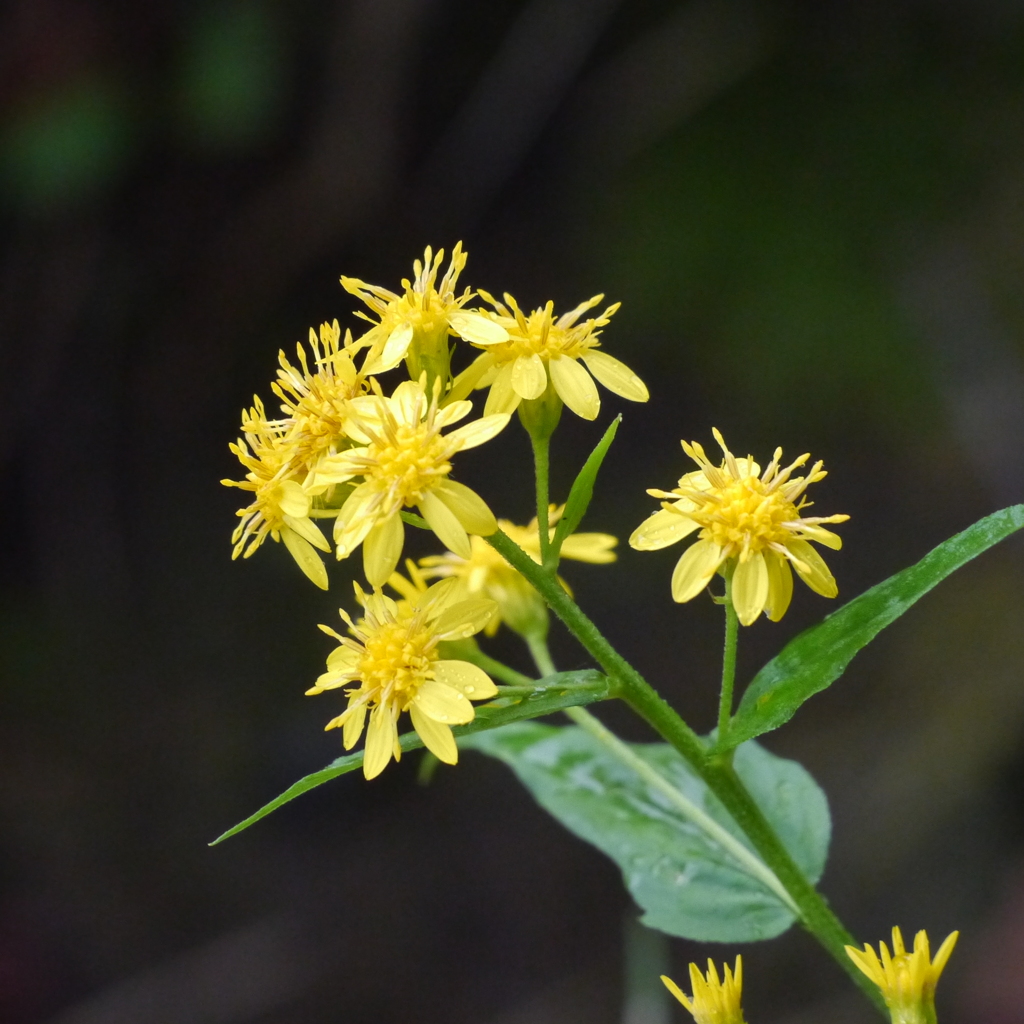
392 657
541 351
416 324
403 460
750 518
486 572
714 1001
315 403
281 507
907 980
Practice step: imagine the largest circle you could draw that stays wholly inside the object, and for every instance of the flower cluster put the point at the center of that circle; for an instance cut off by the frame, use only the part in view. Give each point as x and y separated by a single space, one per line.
714 1001
374 457
346 447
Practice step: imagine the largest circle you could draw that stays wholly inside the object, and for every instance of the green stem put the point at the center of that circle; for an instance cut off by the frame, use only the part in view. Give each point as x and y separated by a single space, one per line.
497 669
716 772
541 654
732 628
541 452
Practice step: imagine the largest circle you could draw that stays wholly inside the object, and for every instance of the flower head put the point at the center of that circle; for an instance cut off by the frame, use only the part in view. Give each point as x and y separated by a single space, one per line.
542 352
390 664
486 573
315 403
416 324
402 460
280 507
714 1001
907 980
749 520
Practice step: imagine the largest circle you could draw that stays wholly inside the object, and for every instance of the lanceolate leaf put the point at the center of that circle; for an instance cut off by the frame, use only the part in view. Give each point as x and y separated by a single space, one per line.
819 655
583 487
553 693
687 883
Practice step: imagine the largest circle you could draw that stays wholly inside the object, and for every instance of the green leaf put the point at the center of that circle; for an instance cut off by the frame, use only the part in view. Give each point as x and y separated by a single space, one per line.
819 655
583 487
687 883
553 693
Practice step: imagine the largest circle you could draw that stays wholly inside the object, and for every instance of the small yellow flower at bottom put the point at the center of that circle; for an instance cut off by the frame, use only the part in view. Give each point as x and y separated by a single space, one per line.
393 659
714 1001
907 980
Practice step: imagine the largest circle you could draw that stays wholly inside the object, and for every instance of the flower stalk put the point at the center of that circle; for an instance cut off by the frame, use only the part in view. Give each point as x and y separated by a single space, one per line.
541 452
732 629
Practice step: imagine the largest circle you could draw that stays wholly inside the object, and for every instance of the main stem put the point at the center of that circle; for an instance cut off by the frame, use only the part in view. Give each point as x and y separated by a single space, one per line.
541 449
716 771
732 629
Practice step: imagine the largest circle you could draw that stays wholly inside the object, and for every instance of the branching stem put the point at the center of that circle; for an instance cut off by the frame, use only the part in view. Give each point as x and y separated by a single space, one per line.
716 771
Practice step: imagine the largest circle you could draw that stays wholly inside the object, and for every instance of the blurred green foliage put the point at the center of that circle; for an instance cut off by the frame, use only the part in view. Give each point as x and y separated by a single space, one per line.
58 149
231 76
767 231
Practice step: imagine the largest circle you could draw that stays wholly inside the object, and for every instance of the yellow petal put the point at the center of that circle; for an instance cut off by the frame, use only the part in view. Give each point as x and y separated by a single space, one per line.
305 557
443 703
393 352
382 549
750 588
470 509
452 413
468 679
502 397
694 570
822 536
780 585
380 741
309 531
464 619
661 530
677 992
439 596
355 520
437 737
342 659
595 548
944 952
292 499
817 575
616 376
469 378
575 387
365 413
408 402
445 524
473 434
528 377
353 727
477 328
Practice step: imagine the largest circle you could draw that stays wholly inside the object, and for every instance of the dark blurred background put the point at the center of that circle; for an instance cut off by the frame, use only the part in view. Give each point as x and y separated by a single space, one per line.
813 214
